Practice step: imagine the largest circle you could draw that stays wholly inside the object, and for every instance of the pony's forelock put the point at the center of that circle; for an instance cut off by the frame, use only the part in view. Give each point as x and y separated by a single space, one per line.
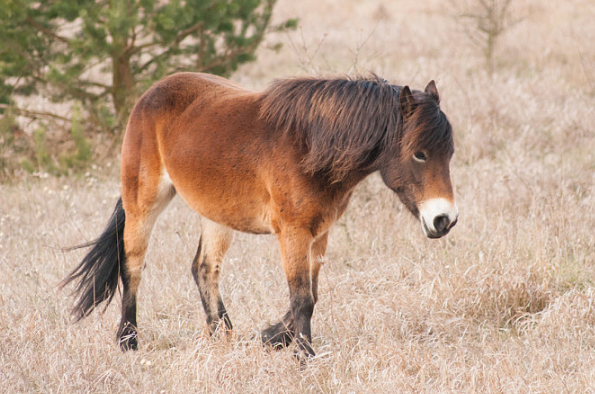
428 129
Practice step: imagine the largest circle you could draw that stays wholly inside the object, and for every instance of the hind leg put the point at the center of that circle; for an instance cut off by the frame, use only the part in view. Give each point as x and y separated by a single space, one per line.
215 240
142 208
281 334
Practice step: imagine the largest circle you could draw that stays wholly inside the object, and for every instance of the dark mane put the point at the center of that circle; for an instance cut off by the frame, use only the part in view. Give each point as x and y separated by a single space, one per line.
344 124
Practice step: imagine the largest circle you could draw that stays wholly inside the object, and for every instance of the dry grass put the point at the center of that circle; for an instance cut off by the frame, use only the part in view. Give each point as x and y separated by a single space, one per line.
505 303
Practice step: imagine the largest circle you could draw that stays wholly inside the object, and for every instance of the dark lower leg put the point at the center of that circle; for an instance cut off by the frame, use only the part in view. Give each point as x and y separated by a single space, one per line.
127 335
302 307
281 335
206 275
296 325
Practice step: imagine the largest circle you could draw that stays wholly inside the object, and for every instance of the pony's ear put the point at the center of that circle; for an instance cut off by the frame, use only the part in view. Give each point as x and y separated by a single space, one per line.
433 91
406 101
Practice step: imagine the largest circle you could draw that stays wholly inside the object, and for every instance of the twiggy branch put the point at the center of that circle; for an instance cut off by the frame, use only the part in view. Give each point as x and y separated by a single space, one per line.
185 33
179 38
33 114
45 30
226 57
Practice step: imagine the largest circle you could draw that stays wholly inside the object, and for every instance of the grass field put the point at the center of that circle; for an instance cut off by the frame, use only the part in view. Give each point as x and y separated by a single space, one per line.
504 304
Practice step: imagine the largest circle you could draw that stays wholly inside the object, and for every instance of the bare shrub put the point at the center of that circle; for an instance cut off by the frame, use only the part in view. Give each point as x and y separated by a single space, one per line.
484 22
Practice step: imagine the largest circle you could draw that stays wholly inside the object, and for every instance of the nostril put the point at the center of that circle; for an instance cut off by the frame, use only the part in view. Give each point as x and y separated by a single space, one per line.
441 223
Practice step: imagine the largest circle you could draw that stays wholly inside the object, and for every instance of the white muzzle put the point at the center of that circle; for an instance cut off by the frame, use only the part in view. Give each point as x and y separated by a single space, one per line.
437 217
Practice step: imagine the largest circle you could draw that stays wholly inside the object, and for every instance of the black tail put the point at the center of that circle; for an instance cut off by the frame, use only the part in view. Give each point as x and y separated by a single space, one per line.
99 272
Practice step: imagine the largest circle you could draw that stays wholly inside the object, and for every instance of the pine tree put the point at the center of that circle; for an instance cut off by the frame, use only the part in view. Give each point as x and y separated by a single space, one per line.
103 53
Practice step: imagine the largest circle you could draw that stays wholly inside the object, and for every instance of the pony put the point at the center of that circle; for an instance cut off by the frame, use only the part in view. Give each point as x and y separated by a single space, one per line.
282 161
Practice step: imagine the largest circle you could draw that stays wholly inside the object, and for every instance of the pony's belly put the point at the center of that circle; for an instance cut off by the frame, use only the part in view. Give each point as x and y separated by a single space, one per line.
252 227
241 215
256 224
240 203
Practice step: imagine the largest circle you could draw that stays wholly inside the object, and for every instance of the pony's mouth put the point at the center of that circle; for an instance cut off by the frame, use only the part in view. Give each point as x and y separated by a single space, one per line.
436 234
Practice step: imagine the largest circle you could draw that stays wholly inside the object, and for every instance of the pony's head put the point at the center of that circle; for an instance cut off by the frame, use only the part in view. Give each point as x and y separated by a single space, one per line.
418 168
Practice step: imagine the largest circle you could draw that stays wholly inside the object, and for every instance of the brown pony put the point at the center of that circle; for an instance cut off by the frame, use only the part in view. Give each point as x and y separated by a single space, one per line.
282 161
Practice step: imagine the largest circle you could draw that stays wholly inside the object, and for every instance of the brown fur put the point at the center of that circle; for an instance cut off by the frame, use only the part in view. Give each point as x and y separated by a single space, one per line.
282 161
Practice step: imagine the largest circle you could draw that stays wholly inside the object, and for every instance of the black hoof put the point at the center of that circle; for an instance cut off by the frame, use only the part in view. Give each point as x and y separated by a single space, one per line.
303 356
304 350
277 336
128 338
222 325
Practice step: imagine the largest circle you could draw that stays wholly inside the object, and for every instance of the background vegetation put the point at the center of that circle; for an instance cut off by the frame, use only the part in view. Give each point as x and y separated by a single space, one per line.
99 56
505 303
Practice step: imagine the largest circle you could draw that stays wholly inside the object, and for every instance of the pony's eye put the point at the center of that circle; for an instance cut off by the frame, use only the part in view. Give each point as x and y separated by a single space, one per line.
420 156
